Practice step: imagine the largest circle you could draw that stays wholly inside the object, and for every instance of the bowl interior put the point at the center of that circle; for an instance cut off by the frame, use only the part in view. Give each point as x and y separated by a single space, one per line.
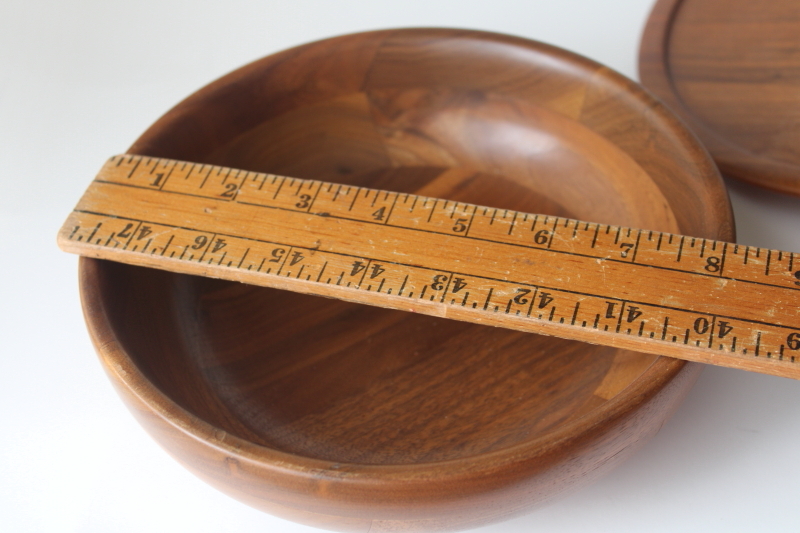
350 383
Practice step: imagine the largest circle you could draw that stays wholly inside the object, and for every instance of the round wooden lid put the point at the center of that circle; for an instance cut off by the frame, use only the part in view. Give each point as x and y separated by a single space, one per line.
731 69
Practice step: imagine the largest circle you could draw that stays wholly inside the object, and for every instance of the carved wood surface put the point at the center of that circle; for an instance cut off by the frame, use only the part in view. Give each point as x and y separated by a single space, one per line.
731 69
359 418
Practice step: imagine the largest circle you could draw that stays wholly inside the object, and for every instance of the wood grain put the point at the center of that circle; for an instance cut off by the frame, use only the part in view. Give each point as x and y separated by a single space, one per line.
731 69
695 299
381 420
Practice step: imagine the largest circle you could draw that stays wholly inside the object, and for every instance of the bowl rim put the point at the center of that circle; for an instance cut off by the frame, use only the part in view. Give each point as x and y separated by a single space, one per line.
735 160
652 381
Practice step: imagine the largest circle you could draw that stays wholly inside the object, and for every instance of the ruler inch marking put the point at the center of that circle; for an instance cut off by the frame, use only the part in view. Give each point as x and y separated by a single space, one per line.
403 286
433 208
94 232
575 313
513 221
621 313
133 232
488 297
533 300
134 167
712 329
450 277
205 178
164 250
679 312
471 218
314 199
108 241
206 247
636 246
723 256
496 280
355 197
282 259
364 272
242 259
552 234
513 244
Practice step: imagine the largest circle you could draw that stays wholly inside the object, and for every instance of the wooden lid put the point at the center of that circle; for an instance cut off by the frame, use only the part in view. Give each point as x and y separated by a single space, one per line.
731 69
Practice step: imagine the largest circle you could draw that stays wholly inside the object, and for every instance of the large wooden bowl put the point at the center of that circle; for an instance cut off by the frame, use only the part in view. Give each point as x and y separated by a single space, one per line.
357 418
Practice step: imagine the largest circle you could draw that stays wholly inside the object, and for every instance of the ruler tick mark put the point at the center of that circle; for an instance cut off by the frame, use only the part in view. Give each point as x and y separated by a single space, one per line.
94 231
488 297
575 313
403 286
433 208
570 289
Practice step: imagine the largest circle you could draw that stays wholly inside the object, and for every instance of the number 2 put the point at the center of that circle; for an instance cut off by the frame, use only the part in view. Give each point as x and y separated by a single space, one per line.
230 190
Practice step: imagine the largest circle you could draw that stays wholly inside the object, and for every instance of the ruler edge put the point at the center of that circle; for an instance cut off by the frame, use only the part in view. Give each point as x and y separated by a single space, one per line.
438 309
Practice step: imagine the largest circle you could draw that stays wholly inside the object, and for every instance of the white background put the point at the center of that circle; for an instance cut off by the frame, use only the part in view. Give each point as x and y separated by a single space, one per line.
80 80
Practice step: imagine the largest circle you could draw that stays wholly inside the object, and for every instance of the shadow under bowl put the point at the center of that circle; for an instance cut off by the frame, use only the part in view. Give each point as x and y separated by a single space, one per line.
358 418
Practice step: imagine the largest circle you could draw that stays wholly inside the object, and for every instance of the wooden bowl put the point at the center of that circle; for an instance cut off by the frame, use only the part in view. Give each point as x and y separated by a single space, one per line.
364 419
731 70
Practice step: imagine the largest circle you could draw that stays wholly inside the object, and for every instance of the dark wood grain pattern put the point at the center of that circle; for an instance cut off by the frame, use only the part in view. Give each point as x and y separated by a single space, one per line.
731 69
363 419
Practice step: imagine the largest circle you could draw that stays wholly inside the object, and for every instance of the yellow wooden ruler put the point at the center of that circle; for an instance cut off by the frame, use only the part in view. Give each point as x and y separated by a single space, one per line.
686 297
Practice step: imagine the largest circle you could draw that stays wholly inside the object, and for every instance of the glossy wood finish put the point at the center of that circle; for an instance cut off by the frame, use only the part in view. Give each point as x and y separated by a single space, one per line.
363 419
731 69
643 290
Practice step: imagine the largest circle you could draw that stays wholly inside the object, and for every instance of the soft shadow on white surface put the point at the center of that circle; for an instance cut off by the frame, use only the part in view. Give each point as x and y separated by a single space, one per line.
765 218
707 470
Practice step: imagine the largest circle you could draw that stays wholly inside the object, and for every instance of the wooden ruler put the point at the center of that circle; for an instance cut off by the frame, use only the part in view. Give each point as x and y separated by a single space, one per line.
686 297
